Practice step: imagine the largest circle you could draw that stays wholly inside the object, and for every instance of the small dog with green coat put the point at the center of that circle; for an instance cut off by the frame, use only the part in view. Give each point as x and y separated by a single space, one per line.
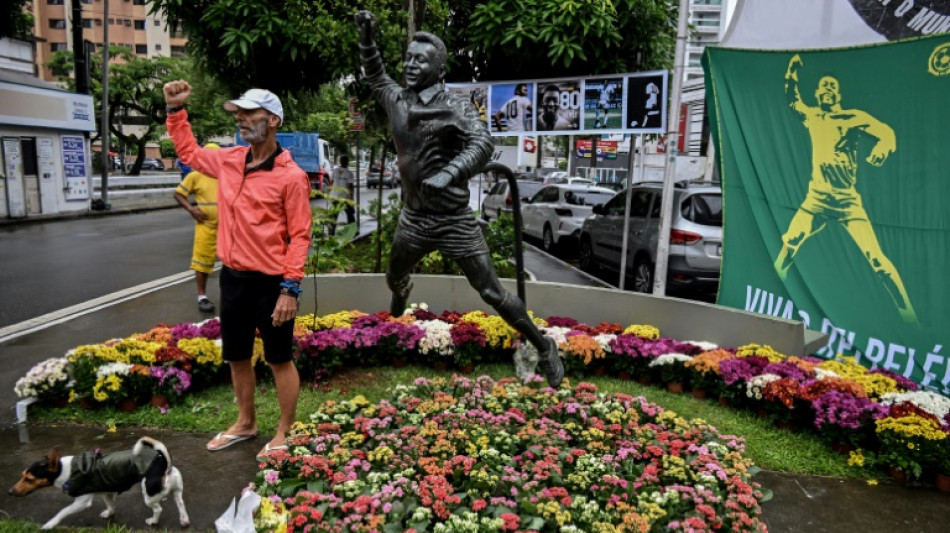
89 473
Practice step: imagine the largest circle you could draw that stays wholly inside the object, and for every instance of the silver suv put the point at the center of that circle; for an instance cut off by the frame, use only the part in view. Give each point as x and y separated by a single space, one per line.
695 236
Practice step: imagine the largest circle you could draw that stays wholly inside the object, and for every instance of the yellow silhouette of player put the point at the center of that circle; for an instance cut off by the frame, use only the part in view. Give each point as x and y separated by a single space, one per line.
831 195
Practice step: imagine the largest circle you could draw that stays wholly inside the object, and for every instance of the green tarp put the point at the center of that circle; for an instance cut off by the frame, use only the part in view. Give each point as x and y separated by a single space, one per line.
835 167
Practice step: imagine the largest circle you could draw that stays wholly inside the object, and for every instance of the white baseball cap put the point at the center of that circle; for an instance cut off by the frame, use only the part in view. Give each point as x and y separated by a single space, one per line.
257 99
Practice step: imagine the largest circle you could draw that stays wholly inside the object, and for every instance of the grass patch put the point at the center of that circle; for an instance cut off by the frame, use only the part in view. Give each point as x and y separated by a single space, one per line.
211 410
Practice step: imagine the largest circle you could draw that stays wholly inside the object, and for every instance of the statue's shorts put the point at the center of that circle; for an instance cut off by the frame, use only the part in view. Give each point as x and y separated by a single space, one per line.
455 235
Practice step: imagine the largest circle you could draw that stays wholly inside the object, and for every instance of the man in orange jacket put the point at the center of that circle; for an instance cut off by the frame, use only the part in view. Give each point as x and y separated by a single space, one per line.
263 237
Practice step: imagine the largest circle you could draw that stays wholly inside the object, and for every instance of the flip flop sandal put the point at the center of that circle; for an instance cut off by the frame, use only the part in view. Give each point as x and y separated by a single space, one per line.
228 440
265 453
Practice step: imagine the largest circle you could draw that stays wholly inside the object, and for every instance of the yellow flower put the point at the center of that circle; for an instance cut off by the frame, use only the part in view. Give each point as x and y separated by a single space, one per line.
643 331
111 429
205 351
761 350
856 459
257 356
912 425
872 482
343 319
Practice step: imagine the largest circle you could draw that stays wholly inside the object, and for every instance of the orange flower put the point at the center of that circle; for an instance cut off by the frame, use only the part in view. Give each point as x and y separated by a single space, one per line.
585 347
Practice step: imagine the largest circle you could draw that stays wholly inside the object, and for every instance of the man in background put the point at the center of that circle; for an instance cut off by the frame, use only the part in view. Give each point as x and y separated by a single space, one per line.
205 212
343 190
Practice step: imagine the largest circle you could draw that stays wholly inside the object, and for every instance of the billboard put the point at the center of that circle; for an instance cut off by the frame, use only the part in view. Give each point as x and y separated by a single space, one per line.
615 103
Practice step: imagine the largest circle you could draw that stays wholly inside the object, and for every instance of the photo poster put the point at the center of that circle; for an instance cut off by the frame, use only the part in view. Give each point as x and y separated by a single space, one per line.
476 94
646 102
626 103
603 104
558 106
511 108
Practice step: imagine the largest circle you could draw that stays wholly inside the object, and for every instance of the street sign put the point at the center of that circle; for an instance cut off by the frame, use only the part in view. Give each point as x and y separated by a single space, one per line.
353 108
356 116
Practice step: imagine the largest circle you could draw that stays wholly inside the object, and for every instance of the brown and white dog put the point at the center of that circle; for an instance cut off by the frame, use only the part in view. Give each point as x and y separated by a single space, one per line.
90 473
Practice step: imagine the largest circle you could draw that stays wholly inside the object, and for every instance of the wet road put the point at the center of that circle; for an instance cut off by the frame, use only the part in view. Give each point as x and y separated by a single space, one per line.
55 264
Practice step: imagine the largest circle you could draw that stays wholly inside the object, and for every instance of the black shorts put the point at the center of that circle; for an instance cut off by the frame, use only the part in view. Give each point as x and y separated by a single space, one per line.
247 303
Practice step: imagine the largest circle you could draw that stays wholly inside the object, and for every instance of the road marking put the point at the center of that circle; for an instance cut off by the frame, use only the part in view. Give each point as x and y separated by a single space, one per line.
63 315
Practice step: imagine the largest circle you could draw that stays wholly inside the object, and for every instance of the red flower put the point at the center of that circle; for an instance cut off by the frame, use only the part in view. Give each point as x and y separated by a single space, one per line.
511 521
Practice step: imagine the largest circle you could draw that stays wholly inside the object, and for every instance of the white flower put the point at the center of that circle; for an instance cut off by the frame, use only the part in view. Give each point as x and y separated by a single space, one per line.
412 307
604 340
44 376
753 387
670 358
438 337
935 404
821 373
558 333
705 346
113 369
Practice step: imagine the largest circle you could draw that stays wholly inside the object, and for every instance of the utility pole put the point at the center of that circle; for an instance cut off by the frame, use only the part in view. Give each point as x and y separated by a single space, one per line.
80 66
672 141
104 126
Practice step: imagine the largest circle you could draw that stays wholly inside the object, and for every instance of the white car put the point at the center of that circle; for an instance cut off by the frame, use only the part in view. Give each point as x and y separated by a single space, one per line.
556 212
498 199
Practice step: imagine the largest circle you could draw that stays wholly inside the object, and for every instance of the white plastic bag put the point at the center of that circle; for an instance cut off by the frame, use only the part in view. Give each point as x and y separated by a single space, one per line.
241 520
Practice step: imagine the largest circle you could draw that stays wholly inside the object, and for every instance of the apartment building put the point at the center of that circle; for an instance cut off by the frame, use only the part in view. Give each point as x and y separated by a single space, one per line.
129 22
708 19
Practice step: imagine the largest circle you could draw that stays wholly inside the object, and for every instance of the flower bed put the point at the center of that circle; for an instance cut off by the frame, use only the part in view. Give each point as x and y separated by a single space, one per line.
882 414
466 454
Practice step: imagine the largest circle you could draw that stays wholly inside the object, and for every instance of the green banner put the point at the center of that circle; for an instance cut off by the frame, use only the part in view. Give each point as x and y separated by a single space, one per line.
835 167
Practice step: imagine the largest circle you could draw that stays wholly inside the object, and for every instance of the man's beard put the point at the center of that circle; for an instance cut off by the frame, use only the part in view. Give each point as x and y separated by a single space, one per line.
257 133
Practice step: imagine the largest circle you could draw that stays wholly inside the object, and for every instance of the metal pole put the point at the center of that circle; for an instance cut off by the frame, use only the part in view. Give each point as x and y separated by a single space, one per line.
626 211
359 136
516 212
80 69
672 141
104 126
379 211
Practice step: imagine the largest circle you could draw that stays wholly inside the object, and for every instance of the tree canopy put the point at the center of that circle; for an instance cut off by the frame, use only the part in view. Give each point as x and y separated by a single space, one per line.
135 96
15 20
281 45
287 45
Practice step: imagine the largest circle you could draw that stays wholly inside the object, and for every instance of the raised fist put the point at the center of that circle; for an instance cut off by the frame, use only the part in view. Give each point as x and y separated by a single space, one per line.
365 27
176 93
793 65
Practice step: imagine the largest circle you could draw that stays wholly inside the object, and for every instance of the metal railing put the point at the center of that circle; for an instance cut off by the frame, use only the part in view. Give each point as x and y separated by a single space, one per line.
516 213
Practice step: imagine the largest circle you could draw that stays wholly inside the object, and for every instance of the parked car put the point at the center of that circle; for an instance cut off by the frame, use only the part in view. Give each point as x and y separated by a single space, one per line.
390 177
149 163
556 212
613 185
498 198
695 253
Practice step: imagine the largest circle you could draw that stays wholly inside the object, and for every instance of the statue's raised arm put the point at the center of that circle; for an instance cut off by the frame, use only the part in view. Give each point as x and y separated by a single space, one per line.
366 28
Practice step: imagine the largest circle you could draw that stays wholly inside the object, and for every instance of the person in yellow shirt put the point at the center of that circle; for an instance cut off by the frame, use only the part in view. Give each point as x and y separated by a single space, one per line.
205 212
